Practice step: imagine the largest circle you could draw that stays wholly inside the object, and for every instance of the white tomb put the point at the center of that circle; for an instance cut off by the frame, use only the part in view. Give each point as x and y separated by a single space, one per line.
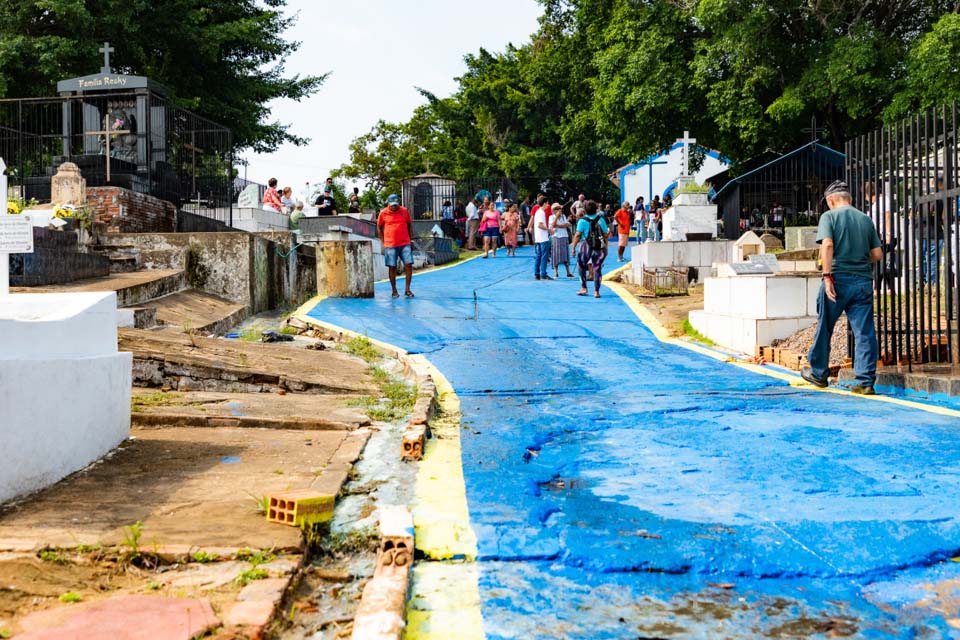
64 387
751 304
690 216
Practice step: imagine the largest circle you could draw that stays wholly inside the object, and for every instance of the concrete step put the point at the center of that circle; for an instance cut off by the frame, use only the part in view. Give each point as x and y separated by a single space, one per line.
198 311
123 264
133 289
137 317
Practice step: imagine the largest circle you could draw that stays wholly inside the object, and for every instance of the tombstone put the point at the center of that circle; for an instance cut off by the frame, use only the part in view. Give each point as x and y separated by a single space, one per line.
771 241
767 259
68 186
800 238
249 198
748 244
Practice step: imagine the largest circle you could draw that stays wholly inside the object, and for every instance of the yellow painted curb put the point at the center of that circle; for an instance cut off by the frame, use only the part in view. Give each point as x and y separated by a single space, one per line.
663 335
445 596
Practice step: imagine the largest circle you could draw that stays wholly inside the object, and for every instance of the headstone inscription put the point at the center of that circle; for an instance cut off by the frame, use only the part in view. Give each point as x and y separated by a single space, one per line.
16 233
68 186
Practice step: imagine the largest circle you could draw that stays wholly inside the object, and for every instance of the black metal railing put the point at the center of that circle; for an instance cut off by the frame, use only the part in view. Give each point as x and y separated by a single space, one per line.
905 177
426 196
136 141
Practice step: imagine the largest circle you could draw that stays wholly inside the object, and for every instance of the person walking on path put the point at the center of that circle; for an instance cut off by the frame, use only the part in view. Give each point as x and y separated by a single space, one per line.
473 224
541 239
395 228
511 225
622 217
590 245
490 228
560 243
640 218
849 245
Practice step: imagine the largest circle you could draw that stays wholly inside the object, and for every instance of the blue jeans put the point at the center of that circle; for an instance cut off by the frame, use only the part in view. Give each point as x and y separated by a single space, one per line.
855 297
641 231
930 253
654 231
541 258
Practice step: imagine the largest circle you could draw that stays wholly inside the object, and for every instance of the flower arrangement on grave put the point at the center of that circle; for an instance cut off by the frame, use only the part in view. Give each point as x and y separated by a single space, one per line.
117 125
64 211
13 208
17 205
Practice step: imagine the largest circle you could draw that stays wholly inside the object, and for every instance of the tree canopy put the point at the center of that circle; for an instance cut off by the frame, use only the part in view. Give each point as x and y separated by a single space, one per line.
220 58
603 83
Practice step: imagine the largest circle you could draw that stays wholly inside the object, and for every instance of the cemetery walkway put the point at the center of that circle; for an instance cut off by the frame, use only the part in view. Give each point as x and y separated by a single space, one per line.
619 486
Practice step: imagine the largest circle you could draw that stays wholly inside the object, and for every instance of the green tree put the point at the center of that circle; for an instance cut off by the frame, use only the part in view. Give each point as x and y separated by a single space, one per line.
220 58
933 70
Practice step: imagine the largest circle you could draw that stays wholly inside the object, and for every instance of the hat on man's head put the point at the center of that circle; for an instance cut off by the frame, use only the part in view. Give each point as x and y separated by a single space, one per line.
393 199
326 189
837 186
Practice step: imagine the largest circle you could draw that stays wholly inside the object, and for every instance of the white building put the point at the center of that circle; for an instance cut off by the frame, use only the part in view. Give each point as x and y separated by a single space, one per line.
657 174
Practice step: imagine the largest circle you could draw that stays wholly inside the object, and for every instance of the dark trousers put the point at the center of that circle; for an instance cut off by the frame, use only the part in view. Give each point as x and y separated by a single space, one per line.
855 297
541 258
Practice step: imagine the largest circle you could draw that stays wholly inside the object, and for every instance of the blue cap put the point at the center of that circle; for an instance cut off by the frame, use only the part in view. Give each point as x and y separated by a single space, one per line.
393 199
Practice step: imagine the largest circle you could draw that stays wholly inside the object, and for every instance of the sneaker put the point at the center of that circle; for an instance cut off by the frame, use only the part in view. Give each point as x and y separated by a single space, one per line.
863 390
807 374
536 277
546 278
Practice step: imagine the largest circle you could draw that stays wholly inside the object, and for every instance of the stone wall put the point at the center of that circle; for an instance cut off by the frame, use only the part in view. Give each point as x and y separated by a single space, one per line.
125 211
188 222
55 260
256 271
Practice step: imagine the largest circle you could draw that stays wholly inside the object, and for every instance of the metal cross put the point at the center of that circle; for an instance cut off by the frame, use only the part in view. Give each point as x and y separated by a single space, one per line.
107 132
814 130
687 141
106 50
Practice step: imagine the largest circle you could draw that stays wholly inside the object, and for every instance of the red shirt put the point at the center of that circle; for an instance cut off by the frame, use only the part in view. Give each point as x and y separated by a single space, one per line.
623 221
396 232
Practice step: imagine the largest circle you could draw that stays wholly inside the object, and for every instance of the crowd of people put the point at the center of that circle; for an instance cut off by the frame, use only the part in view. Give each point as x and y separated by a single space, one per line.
573 234
283 201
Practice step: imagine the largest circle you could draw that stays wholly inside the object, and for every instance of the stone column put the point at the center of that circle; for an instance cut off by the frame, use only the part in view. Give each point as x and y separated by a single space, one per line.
345 269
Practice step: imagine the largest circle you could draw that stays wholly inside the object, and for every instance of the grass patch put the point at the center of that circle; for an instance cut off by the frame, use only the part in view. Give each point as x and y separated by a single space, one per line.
6 634
250 575
250 335
352 541
696 335
155 586
203 557
159 399
262 502
361 347
256 558
287 330
70 597
87 548
53 556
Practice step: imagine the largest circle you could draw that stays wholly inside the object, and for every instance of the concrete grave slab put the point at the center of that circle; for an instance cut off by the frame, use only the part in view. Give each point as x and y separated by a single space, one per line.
125 618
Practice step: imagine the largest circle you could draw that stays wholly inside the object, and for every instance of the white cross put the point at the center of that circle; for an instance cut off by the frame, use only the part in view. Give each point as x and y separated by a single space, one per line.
106 50
687 141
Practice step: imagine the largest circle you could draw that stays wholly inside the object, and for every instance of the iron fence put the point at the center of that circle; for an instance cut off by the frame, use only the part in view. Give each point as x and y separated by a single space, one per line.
905 177
672 281
425 196
136 141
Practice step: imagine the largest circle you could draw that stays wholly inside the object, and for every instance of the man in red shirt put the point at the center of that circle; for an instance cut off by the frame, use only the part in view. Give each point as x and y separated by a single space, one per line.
395 228
623 229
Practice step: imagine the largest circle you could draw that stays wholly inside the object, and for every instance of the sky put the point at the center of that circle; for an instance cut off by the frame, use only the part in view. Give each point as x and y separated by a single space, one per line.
378 52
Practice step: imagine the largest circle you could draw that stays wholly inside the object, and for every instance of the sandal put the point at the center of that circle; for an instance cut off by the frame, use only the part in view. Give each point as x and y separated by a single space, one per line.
582 293
396 295
409 294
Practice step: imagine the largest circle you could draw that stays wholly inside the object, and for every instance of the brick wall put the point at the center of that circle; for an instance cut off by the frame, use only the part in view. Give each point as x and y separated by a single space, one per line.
125 211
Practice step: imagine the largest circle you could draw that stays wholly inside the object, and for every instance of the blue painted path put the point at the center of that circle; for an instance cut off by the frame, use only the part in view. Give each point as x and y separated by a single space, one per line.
621 487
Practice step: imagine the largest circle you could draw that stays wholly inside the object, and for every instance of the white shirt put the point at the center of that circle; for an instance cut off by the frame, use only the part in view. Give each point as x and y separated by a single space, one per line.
540 235
472 211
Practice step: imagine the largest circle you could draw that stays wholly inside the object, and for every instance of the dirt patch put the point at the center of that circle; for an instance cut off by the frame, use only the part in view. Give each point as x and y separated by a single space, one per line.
670 311
189 487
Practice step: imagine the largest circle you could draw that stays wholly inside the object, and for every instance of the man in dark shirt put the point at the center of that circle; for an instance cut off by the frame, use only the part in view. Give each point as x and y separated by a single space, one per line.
849 246
325 203
931 241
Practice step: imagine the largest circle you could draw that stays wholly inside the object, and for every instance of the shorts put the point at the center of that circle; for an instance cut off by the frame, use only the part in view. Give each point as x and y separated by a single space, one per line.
623 239
491 232
390 255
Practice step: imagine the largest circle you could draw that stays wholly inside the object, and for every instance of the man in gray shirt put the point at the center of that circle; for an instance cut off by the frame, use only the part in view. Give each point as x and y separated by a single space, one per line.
849 246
